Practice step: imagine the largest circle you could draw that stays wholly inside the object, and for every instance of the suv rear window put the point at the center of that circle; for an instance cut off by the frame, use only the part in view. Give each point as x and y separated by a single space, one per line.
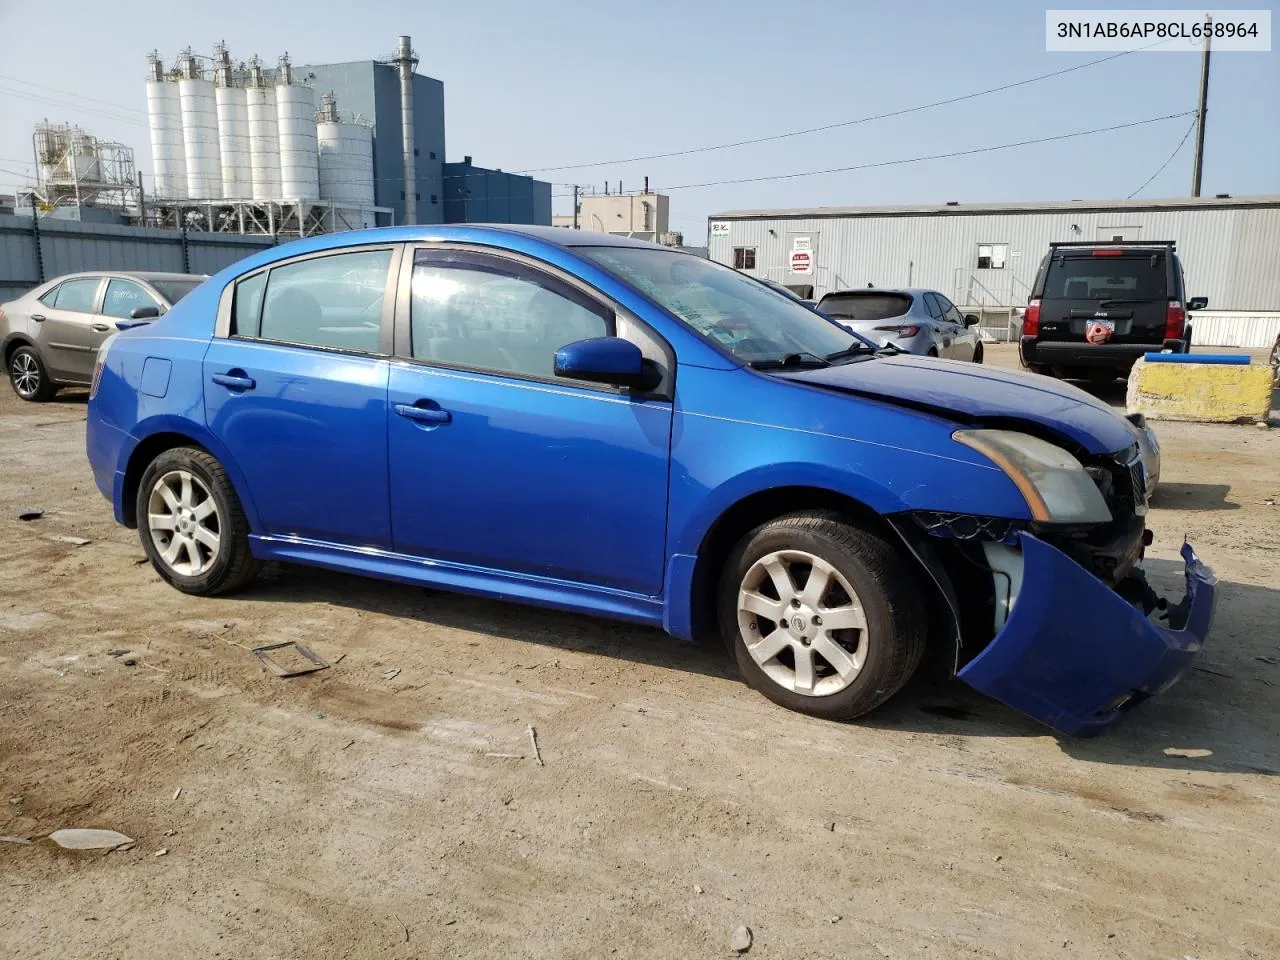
1129 277
865 306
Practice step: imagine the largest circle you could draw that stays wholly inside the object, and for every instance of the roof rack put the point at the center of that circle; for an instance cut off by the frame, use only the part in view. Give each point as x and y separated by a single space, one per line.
1172 245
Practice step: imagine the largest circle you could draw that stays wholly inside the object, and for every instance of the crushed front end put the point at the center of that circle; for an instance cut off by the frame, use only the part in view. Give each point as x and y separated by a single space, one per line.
1057 620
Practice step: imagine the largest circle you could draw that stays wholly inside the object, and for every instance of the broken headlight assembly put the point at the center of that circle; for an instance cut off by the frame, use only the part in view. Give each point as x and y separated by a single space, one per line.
1054 484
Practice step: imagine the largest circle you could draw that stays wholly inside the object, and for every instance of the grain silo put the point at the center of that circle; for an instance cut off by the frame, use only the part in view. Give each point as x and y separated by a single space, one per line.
296 117
164 111
233 128
199 131
346 157
264 136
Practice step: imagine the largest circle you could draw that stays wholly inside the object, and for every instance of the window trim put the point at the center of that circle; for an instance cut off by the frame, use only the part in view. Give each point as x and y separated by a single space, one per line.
222 326
991 265
744 251
403 346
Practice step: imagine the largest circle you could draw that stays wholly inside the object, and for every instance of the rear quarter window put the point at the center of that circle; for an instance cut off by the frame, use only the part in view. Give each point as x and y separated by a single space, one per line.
1107 278
865 306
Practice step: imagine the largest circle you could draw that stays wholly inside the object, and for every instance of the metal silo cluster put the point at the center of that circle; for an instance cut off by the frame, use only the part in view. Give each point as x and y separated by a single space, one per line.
250 134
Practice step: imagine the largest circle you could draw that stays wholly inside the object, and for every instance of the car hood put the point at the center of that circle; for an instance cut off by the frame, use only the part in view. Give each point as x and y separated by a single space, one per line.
972 392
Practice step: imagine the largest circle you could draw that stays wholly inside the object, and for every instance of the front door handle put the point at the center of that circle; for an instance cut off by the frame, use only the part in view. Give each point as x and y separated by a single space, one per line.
234 382
100 328
38 317
423 414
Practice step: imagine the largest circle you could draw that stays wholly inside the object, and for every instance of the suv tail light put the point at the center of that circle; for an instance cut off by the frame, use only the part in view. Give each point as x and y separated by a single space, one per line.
1031 319
1175 321
902 330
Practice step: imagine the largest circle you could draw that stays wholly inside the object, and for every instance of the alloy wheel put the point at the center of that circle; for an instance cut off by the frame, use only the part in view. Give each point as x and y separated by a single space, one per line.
25 372
802 623
185 525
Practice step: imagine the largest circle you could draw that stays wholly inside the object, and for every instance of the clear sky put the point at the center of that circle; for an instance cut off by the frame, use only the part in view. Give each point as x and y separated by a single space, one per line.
556 82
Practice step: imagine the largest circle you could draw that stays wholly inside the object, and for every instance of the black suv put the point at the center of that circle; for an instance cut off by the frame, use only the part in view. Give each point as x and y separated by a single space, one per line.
1095 308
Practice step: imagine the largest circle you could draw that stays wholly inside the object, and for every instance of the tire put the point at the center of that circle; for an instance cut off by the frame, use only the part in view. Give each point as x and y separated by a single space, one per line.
864 573
26 368
179 546
977 354
933 352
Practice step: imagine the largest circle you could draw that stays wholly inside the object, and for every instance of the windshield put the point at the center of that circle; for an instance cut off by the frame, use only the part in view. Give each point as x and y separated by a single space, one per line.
1106 278
175 290
742 315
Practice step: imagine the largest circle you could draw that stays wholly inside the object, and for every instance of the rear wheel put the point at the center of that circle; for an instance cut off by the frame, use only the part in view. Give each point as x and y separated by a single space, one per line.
821 616
29 377
192 525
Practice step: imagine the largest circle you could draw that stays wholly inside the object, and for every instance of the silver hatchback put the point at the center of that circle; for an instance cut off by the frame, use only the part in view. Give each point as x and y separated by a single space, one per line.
923 322
50 335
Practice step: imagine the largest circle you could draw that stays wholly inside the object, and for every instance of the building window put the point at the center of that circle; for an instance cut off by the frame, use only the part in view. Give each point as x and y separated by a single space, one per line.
992 256
415 151
432 154
744 258
434 199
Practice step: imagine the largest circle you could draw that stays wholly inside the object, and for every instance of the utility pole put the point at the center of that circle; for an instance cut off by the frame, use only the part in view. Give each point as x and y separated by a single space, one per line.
142 203
1198 168
575 206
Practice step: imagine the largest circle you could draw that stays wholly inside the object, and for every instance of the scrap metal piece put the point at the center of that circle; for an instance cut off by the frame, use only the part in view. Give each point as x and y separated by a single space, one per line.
311 663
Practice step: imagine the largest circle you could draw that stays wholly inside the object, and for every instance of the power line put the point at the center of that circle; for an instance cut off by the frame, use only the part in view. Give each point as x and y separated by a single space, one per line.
71 93
934 156
1160 169
842 123
65 105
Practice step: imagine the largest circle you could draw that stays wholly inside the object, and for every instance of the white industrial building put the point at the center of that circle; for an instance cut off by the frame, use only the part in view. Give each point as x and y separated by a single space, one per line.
248 149
984 256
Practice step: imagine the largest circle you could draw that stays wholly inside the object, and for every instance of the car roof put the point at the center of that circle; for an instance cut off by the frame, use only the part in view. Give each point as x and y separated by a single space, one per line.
147 276
473 232
862 291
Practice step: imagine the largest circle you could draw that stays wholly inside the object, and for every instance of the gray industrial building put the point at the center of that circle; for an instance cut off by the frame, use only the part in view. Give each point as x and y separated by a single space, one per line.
446 192
984 256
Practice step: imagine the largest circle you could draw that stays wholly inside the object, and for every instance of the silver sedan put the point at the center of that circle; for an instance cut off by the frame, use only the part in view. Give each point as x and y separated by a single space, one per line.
922 322
50 335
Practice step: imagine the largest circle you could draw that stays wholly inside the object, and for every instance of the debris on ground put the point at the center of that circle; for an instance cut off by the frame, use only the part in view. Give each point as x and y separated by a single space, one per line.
117 653
740 942
830 826
130 661
169 833
533 738
1190 753
835 918
177 793
162 852
289 659
506 756
84 839
74 541
697 889
22 840
1271 660
30 514
391 674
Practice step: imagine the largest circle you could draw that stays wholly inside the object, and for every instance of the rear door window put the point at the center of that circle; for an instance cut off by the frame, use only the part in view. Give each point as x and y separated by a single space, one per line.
865 306
332 301
1125 277
78 295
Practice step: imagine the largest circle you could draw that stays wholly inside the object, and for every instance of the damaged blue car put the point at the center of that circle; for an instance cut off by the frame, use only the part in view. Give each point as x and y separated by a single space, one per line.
610 427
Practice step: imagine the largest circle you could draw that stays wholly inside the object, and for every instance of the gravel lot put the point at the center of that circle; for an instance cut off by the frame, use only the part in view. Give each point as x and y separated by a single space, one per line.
390 806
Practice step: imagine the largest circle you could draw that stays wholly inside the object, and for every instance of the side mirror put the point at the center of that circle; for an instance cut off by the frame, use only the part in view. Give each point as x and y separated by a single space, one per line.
144 313
606 360
1197 303
970 319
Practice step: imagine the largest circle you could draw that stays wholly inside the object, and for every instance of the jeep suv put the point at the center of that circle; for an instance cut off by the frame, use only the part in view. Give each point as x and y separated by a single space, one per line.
1095 308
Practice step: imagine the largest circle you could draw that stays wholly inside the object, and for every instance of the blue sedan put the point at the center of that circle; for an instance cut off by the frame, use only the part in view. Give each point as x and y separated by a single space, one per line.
605 426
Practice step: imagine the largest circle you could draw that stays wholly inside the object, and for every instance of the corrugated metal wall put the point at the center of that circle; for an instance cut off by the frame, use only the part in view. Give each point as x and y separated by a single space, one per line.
1230 255
1250 330
69 246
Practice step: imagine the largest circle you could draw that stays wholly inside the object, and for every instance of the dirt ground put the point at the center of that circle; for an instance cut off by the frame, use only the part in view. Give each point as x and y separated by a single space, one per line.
390 806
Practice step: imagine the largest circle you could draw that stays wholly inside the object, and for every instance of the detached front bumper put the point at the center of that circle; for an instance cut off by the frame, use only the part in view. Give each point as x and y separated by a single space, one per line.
1076 655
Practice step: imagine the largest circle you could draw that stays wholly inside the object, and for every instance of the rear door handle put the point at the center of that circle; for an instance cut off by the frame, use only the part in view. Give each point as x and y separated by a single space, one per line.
234 382
423 414
100 328
38 317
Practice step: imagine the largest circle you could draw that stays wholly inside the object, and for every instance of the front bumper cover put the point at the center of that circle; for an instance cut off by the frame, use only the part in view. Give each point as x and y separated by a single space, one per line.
1077 656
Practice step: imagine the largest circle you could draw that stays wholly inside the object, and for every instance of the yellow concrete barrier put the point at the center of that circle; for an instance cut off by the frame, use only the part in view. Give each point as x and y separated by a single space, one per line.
1204 392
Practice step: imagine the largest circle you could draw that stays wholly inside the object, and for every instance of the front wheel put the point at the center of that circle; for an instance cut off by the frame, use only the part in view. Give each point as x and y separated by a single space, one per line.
192 525
822 616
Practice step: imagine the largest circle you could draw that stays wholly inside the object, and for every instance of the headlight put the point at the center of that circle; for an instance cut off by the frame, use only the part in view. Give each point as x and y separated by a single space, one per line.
98 363
1051 480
